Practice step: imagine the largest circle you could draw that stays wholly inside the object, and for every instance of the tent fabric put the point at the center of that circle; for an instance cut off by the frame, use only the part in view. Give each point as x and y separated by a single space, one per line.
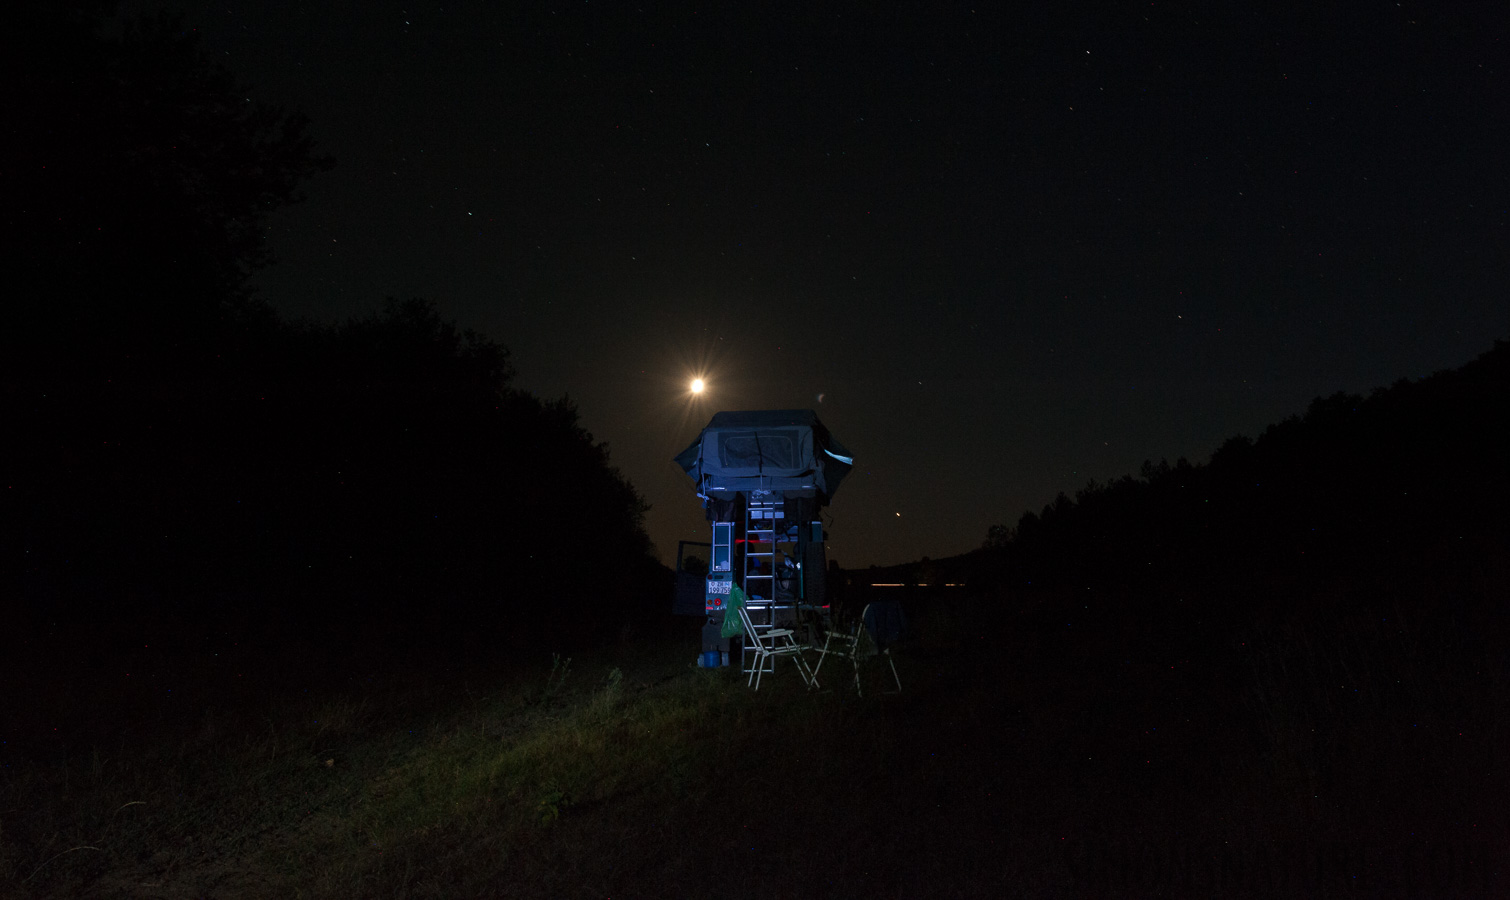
786 450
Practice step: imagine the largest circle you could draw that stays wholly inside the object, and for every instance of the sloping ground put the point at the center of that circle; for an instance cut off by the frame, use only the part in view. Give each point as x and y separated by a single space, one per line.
1009 766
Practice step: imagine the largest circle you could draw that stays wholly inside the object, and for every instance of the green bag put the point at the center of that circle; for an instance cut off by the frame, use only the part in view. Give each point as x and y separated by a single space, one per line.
732 627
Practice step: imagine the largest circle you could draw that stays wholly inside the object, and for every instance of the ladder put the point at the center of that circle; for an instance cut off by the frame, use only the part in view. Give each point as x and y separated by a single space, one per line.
763 532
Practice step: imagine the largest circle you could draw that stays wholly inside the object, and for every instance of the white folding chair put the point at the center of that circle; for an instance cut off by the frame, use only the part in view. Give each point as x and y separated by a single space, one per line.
878 625
770 644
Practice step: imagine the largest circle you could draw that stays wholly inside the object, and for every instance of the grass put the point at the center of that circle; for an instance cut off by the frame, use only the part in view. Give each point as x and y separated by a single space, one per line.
1005 768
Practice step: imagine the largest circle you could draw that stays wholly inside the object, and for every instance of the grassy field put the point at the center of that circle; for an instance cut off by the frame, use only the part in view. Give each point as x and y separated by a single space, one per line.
1009 766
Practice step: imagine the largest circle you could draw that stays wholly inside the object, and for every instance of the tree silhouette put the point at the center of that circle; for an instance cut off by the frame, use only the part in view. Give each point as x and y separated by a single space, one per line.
185 464
1357 488
137 182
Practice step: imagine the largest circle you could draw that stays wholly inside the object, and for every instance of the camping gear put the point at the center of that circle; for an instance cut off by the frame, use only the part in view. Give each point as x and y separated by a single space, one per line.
785 450
764 477
881 624
769 644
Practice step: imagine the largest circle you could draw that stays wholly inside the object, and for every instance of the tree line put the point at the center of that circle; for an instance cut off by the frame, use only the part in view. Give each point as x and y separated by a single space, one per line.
1355 484
1363 541
183 463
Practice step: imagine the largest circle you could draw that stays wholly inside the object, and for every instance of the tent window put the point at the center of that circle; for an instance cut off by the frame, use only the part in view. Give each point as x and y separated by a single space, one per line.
744 450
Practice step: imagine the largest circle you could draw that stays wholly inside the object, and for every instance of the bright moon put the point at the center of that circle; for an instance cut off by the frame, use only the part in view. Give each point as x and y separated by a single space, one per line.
697 385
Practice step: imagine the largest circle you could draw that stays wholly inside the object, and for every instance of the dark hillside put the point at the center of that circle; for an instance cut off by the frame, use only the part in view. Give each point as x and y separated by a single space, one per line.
1328 598
1376 485
191 484
1318 613
354 486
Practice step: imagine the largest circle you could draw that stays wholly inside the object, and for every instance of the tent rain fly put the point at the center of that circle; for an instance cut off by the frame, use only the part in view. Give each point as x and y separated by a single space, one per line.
786 450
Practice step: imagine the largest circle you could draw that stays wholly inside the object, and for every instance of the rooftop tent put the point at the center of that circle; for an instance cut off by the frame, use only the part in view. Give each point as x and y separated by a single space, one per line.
785 450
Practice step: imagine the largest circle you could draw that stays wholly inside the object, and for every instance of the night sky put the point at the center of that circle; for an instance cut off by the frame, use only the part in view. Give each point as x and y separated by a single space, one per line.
1001 252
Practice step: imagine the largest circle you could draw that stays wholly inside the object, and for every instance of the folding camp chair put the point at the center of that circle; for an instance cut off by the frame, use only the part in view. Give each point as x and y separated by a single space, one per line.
770 643
880 625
